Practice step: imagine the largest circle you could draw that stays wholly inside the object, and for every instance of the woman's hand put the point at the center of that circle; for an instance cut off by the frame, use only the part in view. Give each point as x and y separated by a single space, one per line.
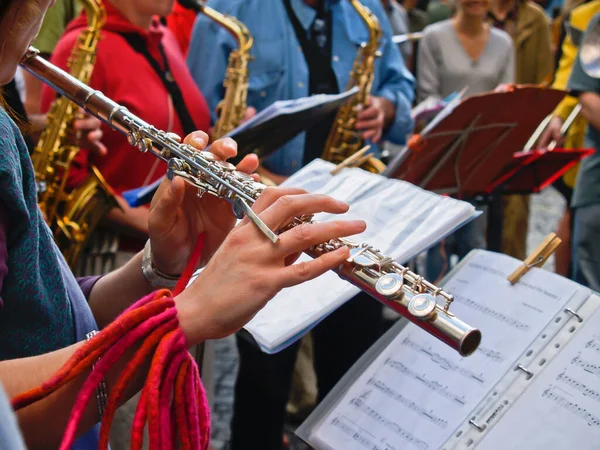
178 216
248 269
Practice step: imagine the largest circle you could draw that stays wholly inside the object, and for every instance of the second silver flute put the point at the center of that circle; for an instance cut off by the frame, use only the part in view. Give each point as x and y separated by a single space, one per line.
366 268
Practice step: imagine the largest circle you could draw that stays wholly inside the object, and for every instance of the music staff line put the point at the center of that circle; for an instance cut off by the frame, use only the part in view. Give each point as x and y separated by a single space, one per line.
385 389
490 312
355 435
574 408
359 403
433 385
490 354
594 344
442 361
578 386
593 369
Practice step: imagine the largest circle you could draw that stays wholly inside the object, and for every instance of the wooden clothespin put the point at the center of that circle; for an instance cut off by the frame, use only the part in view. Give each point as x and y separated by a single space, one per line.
537 258
352 161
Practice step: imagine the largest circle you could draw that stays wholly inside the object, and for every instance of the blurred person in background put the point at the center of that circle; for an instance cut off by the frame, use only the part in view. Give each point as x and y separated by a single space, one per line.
464 51
53 27
398 18
181 23
529 27
578 18
586 196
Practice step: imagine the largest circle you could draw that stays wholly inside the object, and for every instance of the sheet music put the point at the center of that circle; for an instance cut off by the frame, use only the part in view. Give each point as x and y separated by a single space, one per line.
402 220
418 391
290 107
561 408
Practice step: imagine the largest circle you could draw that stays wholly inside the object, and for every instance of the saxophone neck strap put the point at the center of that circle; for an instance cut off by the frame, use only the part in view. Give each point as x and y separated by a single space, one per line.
138 44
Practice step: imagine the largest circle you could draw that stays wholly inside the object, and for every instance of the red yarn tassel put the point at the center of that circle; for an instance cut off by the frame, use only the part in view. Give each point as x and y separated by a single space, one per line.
173 400
187 274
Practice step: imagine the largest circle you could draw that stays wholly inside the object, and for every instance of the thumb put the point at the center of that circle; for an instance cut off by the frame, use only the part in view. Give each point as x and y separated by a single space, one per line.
163 213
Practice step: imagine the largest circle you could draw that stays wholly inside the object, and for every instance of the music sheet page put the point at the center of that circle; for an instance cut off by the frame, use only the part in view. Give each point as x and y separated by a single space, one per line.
402 220
418 391
561 407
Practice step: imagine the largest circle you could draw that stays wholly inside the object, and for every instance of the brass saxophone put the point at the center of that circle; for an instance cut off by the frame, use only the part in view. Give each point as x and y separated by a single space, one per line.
72 216
367 268
344 140
232 108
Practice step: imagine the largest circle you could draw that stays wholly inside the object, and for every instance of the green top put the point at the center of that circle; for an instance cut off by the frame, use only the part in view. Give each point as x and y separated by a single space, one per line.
438 11
54 24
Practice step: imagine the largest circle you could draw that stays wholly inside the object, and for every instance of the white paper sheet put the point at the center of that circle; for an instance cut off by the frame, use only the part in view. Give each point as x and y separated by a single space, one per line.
418 391
402 220
561 407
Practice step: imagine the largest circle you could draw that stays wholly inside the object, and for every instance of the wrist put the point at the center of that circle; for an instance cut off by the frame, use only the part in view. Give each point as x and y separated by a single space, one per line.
156 277
190 319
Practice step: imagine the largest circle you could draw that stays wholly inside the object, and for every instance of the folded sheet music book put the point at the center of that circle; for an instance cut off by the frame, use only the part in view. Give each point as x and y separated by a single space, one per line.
283 121
402 221
534 383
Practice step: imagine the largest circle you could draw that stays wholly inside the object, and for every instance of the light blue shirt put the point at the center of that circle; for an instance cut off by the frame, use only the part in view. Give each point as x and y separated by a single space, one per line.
279 70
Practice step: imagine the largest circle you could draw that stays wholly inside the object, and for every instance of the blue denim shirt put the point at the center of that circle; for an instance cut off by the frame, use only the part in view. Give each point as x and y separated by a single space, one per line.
279 71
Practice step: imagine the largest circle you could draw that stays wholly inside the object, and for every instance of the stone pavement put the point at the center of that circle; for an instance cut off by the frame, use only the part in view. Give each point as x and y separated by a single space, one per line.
546 210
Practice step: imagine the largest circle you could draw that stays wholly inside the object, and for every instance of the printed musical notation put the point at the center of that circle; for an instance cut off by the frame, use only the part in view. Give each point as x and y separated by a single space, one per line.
349 430
490 354
490 312
360 404
429 415
574 408
594 369
442 361
594 344
433 385
578 385
417 389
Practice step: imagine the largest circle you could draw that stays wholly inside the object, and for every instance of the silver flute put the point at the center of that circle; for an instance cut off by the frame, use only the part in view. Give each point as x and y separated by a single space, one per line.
367 268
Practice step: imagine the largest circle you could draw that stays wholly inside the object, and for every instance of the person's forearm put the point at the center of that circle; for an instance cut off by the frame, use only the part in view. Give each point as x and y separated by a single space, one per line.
590 108
43 423
127 220
116 291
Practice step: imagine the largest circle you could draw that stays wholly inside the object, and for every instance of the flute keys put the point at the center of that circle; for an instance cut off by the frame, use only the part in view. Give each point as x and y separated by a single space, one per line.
360 257
422 306
390 285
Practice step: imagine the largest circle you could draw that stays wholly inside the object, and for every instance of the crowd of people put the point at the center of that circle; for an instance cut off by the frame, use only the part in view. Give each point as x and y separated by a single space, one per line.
167 65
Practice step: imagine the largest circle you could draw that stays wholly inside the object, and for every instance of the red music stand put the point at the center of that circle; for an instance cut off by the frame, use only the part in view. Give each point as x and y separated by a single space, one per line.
470 148
533 171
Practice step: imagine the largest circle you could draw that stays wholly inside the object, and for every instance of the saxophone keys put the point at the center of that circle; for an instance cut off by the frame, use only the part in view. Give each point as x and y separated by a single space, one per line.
422 306
390 285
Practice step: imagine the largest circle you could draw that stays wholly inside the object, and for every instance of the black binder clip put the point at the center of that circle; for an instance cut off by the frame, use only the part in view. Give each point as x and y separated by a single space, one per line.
574 314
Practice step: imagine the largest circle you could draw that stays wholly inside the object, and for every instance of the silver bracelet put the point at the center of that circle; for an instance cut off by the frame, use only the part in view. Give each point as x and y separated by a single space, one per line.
154 276
101 390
